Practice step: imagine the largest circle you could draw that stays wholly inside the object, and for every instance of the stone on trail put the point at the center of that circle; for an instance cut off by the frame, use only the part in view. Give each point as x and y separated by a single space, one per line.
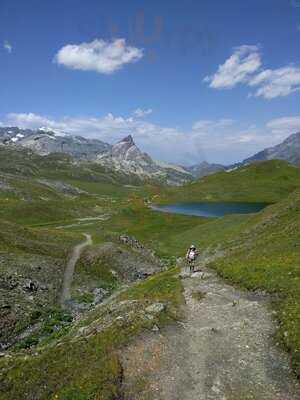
155 308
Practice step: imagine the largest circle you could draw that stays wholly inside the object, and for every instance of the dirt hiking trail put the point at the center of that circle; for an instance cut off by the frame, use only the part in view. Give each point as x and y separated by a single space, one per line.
70 268
223 350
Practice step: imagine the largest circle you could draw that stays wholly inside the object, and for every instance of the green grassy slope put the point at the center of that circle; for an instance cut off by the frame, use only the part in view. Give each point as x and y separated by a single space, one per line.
84 364
23 162
259 251
267 181
37 190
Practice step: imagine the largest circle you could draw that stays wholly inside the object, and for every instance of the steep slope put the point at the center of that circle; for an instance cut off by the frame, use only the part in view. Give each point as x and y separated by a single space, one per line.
127 157
288 150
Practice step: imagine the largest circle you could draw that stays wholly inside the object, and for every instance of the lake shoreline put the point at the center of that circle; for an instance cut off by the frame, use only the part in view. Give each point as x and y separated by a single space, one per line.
210 209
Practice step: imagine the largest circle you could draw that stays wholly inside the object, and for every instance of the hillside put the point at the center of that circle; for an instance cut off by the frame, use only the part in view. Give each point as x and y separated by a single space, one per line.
288 150
48 202
266 181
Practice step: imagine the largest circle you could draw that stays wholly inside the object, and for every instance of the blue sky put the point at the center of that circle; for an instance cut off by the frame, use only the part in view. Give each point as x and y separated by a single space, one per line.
191 80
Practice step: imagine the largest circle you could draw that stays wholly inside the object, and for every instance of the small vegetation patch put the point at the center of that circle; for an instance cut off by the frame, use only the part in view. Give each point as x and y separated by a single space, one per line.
53 324
198 295
162 287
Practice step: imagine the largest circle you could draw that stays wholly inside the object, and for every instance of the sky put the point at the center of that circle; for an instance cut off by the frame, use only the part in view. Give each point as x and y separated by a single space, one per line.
191 80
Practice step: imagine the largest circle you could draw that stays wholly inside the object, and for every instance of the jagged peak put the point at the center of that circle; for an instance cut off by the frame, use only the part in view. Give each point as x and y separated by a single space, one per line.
127 139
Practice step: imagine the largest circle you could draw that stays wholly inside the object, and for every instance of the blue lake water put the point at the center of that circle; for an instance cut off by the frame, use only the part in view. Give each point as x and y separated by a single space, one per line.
208 209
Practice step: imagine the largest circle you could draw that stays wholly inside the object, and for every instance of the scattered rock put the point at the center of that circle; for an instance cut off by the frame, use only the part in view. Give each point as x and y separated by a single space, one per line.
156 308
197 274
131 240
99 295
183 275
30 286
149 316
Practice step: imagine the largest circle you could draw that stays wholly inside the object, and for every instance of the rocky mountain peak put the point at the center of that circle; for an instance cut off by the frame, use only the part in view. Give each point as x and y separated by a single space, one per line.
128 139
126 149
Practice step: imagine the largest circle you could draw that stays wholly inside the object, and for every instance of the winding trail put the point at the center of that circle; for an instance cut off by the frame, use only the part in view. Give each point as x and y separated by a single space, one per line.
70 268
223 350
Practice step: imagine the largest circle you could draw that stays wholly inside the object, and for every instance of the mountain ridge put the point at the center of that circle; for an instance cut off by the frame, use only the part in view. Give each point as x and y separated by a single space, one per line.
288 150
126 156
123 156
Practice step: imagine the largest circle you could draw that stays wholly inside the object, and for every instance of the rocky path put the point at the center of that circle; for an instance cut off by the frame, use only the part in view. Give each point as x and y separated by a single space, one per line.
223 350
69 271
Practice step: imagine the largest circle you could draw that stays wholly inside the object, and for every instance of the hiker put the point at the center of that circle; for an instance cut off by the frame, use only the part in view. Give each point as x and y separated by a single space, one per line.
191 256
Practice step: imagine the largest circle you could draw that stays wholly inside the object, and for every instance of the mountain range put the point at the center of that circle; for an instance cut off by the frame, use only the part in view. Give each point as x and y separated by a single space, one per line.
123 156
126 157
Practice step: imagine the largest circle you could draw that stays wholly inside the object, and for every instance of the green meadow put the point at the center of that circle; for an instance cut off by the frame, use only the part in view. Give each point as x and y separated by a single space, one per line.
41 221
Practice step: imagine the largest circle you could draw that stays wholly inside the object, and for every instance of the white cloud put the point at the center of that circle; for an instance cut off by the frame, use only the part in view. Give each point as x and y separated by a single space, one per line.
205 124
244 61
223 140
244 67
99 55
282 127
277 82
7 46
140 113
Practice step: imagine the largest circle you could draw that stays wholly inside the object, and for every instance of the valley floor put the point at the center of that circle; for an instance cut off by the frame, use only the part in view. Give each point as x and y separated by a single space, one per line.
222 350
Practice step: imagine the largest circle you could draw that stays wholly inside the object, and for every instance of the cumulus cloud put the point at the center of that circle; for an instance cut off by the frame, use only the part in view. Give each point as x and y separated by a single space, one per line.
222 140
104 57
140 113
244 66
244 61
277 82
27 120
7 46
